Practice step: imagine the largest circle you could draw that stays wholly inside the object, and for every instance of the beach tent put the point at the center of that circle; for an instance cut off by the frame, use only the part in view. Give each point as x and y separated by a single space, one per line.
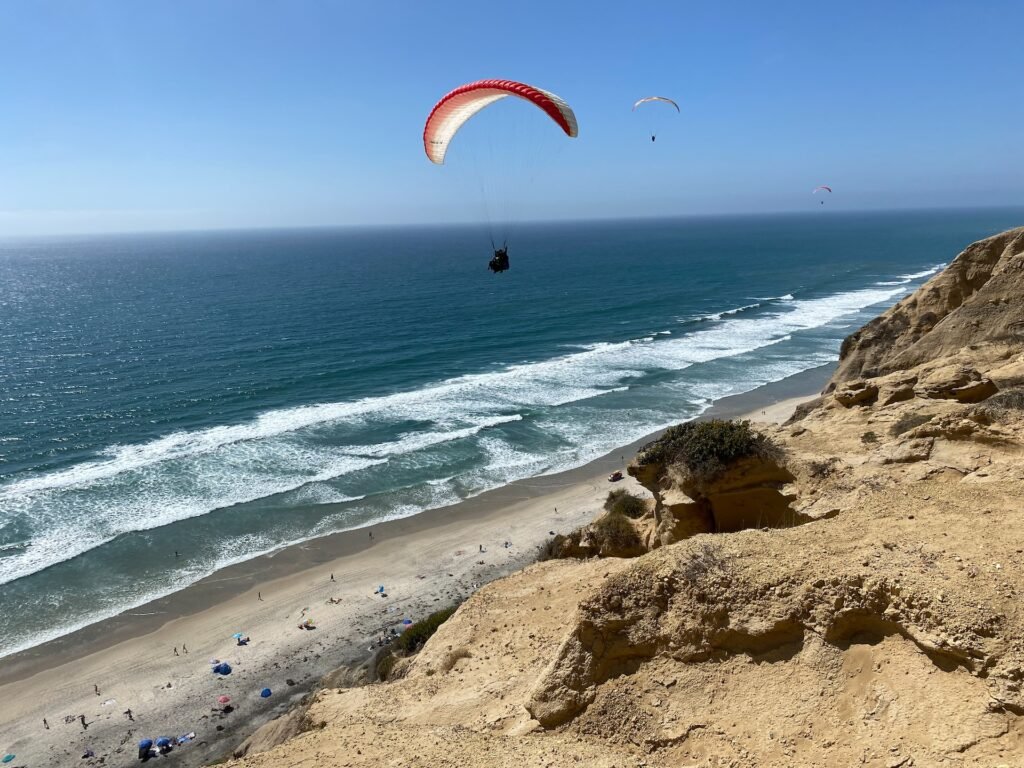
265 693
7 758
223 699
222 669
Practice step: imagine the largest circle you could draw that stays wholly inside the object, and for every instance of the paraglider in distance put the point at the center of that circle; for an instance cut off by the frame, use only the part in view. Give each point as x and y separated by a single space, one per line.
822 188
458 106
648 100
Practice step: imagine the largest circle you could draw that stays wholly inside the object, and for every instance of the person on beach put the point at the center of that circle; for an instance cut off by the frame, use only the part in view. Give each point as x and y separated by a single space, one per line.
96 688
176 651
46 725
85 725
184 649
259 596
332 577
128 713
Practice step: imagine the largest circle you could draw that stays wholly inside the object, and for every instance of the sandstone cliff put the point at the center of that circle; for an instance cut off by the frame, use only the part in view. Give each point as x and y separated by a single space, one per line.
976 300
877 620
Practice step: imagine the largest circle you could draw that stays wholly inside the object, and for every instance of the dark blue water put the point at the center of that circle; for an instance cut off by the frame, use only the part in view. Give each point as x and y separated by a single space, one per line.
224 394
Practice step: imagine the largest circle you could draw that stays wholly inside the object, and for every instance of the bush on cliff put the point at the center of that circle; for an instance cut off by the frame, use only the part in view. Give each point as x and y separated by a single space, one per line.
705 448
625 503
561 546
613 533
410 642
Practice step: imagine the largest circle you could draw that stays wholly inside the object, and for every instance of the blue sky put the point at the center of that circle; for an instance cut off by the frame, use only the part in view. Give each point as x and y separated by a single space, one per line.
214 113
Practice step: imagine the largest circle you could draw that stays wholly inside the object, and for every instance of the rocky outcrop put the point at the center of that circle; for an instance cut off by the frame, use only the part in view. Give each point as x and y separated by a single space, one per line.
976 300
696 603
858 392
746 493
955 382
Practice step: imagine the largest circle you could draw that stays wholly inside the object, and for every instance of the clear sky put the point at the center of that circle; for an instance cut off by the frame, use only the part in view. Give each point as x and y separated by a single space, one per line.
171 114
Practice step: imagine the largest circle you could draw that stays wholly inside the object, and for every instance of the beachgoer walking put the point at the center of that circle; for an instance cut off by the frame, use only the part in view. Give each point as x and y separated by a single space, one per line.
84 724
128 714
332 577
46 725
96 688
481 547
259 596
175 553
176 651
371 535
184 649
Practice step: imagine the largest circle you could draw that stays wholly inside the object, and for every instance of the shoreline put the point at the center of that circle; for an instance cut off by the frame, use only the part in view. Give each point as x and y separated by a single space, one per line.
126 654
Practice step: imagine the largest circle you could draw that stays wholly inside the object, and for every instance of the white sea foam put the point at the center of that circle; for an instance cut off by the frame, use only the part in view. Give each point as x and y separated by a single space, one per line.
923 273
189 474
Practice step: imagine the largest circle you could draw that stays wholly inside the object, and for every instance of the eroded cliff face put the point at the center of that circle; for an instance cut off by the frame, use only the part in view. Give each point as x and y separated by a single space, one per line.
975 301
887 629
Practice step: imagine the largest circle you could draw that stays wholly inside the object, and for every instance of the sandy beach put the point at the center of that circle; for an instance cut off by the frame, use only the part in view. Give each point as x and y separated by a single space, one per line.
156 660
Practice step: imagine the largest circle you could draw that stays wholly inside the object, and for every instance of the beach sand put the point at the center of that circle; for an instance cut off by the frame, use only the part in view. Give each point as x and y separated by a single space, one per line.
425 562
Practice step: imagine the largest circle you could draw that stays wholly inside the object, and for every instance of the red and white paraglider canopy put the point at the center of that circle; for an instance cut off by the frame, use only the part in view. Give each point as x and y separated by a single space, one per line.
455 108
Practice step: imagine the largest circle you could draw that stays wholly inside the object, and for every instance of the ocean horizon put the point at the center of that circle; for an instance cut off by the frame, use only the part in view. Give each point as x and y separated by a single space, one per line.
174 403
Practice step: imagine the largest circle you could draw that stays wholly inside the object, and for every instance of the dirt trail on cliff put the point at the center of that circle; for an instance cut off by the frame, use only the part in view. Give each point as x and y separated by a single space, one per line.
882 625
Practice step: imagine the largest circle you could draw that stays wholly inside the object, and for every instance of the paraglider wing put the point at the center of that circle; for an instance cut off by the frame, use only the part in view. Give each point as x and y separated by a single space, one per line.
455 108
822 188
647 99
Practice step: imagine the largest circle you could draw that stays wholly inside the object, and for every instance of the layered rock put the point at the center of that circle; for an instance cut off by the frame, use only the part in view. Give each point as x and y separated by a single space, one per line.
976 301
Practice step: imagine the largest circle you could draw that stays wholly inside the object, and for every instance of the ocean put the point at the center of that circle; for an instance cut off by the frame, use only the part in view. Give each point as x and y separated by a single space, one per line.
224 394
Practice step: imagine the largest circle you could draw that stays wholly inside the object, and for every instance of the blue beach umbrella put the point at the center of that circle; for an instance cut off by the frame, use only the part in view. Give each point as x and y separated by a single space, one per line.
145 744
265 693
237 636
163 741
7 758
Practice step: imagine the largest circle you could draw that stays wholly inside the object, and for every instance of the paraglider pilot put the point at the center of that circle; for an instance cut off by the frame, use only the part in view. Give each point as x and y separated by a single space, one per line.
500 261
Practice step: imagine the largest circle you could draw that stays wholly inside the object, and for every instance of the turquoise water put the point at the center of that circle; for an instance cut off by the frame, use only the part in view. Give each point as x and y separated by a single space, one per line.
224 394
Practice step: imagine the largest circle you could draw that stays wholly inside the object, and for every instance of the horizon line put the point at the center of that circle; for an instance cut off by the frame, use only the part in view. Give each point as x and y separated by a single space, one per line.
814 211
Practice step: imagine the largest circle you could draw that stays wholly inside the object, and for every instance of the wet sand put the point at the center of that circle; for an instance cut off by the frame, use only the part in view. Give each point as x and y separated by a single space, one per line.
425 562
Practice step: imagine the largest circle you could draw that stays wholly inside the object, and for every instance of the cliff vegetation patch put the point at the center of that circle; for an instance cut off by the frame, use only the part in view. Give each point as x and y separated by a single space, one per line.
706 448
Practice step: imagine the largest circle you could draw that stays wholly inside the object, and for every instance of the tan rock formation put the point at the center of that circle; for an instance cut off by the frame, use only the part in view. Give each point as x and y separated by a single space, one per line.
976 300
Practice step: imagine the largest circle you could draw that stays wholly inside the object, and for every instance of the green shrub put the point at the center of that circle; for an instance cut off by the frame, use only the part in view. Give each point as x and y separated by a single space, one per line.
416 636
556 547
614 532
705 448
908 422
385 662
410 642
625 503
